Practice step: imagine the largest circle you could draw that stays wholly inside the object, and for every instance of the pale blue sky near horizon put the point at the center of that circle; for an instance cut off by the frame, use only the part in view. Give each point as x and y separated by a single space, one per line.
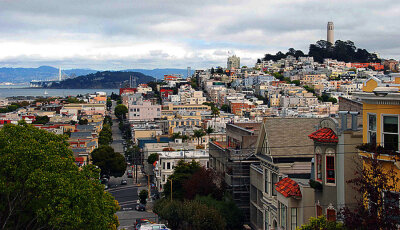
121 34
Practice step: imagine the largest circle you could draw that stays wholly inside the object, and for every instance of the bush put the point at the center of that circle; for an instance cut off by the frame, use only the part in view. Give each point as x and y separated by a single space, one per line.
143 196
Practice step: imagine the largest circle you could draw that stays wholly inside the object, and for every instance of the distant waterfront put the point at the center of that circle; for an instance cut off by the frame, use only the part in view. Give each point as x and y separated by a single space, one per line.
13 91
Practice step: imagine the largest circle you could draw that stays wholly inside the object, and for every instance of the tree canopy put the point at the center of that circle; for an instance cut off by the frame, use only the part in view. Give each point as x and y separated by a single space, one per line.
41 120
105 135
152 158
342 51
41 187
110 162
121 111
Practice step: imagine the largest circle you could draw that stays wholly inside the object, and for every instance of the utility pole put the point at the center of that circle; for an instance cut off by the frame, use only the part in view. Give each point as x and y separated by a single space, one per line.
171 187
148 183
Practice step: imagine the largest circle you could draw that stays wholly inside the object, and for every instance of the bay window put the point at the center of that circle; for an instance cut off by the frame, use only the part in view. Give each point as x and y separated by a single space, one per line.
390 132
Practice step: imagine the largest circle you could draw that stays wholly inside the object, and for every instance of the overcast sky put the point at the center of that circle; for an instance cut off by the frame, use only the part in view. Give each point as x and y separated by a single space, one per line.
120 34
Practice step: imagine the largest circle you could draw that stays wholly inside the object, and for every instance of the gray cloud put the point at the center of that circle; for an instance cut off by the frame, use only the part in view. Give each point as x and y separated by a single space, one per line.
116 34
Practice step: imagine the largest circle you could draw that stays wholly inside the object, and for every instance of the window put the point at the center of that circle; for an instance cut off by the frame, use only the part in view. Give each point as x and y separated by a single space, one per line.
391 132
391 201
319 210
283 214
331 214
293 218
168 165
163 165
274 181
330 169
266 220
318 164
266 182
372 128
163 178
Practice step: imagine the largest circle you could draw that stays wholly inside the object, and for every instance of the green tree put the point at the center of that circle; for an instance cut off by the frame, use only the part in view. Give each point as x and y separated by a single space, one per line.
182 172
41 120
321 223
105 135
209 130
83 122
198 133
296 82
215 111
227 208
120 111
110 162
152 158
42 188
143 196
189 215
109 104
225 108
176 135
332 99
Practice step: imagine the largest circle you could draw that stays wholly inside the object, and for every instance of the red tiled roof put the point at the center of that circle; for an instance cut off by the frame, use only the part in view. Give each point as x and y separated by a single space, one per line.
324 135
288 187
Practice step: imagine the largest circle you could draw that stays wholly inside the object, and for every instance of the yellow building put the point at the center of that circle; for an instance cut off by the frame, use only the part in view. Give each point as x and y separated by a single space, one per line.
381 112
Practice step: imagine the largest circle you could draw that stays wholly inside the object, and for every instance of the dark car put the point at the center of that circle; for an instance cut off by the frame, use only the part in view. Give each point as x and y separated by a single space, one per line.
140 207
124 182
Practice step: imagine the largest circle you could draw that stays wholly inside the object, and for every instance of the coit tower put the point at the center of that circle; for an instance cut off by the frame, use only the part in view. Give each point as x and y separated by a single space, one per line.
330 38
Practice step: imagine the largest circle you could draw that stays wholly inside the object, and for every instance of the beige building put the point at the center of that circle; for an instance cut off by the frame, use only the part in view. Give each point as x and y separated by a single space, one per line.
233 62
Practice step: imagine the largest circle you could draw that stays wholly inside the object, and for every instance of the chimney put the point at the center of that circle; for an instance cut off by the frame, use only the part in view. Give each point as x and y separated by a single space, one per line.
354 121
343 118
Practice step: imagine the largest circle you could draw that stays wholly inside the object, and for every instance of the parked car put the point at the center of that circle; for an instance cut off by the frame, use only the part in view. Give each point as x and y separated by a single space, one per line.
106 186
130 175
153 227
124 182
141 221
140 207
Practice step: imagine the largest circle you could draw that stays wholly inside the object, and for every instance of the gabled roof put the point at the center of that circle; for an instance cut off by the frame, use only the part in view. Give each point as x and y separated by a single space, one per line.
324 135
288 187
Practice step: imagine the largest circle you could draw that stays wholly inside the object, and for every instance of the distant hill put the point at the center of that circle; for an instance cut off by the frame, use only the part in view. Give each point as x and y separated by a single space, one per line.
103 80
159 73
20 75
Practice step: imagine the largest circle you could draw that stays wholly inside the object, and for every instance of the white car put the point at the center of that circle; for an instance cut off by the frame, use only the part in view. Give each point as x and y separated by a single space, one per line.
154 227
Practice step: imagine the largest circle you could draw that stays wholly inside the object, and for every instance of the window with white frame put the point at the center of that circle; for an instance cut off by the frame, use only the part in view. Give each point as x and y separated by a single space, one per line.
274 181
168 165
266 181
293 218
372 128
390 132
283 215
318 164
330 169
266 220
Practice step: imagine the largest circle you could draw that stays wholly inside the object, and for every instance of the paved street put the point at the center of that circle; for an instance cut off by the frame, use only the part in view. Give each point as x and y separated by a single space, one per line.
126 195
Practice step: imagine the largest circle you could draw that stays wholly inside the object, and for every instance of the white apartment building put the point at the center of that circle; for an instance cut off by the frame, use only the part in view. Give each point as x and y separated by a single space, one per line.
169 159
143 111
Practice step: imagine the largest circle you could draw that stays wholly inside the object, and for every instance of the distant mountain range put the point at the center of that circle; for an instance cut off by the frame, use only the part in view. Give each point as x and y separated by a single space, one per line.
21 75
102 80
